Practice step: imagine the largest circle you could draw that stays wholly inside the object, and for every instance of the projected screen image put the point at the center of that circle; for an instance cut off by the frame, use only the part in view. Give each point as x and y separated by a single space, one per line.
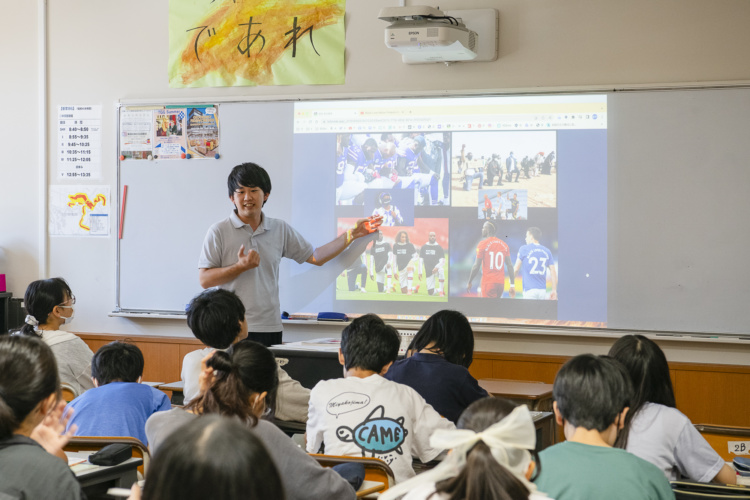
494 206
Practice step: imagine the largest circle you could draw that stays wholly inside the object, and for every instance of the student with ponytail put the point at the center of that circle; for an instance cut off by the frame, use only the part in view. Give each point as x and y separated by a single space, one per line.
492 457
241 383
31 423
50 304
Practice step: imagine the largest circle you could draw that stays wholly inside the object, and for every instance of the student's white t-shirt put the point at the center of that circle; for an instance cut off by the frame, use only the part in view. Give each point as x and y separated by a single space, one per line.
373 417
666 438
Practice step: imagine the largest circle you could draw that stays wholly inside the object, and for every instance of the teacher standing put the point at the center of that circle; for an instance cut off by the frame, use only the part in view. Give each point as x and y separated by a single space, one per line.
242 252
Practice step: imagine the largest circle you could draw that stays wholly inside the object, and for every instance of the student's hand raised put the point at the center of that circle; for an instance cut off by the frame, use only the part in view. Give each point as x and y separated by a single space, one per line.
206 378
50 433
249 260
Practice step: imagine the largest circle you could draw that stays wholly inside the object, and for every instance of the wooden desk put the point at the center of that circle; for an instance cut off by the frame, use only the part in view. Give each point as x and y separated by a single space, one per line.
176 389
536 395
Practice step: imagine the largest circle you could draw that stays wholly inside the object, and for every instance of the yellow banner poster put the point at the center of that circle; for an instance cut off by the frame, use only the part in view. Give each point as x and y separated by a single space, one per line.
221 43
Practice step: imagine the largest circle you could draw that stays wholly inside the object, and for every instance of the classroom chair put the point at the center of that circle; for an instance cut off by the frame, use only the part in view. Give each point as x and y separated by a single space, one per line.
68 393
96 443
378 474
691 490
719 437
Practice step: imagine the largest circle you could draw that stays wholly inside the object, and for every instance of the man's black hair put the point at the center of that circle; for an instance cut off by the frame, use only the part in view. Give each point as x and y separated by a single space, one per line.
214 317
368 343
591 391
248 175
117 362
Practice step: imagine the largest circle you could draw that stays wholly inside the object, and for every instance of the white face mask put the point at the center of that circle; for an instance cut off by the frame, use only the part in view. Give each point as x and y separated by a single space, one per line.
68 320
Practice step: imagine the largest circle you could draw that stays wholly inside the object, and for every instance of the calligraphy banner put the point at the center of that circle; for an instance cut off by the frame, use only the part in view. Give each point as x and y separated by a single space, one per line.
219 43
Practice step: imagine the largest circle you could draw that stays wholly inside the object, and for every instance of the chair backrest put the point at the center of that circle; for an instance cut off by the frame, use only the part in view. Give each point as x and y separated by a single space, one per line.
376 470
68 392
719 437
96 443
690 490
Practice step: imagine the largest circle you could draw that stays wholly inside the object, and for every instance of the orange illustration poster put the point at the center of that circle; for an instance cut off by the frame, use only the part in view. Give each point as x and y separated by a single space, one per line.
219 43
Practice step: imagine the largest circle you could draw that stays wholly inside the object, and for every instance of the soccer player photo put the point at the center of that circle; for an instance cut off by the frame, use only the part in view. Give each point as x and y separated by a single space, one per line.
402 264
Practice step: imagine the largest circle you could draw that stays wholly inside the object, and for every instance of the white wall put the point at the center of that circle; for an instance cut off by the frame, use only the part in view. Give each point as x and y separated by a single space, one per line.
100 52
19 164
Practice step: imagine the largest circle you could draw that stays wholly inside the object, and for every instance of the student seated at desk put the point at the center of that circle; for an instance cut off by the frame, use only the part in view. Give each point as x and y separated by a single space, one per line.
49 304
119 405
30 423
654 429
364 414
436 364
592 394
212 457
237 383
217 318
492 457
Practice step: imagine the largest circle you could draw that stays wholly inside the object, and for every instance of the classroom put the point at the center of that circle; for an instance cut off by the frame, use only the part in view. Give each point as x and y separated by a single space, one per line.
93 52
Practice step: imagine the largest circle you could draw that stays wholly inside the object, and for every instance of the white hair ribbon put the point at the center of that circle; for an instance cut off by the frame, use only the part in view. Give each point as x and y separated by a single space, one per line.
509 441
31 320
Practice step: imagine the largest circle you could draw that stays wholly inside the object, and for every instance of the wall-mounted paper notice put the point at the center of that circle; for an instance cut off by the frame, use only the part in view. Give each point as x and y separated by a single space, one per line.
136 133
79 142
79 210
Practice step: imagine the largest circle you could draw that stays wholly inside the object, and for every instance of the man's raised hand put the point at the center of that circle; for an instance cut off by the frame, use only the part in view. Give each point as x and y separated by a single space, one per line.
249 260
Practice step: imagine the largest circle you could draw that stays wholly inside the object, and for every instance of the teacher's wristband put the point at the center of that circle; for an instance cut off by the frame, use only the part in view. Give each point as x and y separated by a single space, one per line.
348 236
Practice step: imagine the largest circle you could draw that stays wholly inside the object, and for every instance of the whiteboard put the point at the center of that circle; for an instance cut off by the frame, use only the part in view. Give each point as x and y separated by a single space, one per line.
677 184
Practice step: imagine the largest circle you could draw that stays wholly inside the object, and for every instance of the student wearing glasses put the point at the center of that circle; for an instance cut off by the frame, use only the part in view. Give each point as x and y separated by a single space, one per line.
50 305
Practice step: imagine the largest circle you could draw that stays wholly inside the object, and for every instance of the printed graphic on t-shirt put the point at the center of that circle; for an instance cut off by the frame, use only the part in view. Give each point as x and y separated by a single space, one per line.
377 435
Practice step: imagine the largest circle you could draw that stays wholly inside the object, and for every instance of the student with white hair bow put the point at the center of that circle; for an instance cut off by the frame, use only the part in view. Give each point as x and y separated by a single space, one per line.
491 457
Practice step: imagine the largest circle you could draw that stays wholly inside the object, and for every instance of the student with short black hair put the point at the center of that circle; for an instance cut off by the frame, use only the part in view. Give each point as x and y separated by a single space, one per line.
217 318
119 405
436 364
50 305
492 457
655 429
591 399
365 414
30 423
239 383
212 457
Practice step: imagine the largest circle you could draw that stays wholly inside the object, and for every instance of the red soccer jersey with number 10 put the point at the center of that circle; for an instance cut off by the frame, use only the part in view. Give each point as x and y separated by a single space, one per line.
492 252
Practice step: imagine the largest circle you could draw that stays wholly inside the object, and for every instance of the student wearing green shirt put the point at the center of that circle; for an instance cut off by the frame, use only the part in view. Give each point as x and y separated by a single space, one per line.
592 395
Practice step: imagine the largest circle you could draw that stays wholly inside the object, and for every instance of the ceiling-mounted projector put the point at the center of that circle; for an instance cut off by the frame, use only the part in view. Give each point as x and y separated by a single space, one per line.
425 34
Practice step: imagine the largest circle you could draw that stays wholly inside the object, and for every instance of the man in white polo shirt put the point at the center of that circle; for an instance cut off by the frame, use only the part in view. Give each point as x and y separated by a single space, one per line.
242 252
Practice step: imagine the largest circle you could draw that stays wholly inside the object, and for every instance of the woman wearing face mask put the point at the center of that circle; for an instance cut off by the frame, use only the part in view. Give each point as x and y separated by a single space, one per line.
50 304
